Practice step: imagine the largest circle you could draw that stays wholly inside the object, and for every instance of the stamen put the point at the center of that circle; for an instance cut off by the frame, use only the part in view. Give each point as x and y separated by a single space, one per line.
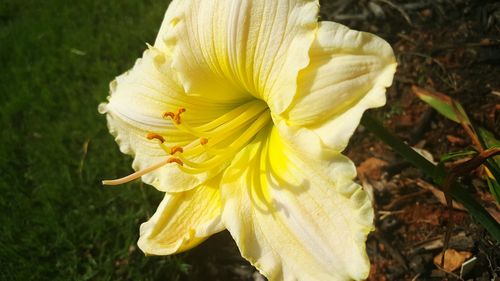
223 155
175 116
151 136
227 134
165 148
172 150
176 149
238 121
192 149
175 160
244 135
231 115
169 114
249 133
208 163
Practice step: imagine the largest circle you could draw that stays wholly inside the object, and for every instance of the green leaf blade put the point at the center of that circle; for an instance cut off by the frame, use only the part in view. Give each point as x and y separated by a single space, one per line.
445 105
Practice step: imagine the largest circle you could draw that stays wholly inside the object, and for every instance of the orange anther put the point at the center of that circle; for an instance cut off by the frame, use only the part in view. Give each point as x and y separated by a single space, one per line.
169 114
177 116
175 160
176 149
151 136
203 141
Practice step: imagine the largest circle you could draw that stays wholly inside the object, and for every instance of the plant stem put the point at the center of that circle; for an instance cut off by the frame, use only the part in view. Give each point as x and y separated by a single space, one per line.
458 191
374 126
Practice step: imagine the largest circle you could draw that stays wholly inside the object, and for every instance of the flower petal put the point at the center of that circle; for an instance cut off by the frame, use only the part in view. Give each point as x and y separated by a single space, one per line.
136 105
183 220
230 49
349 73
296 218
166 28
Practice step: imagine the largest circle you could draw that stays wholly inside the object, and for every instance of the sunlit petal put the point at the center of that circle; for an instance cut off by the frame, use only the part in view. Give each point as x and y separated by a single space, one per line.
183 220
136 105
349 73
231 50
296 218
175 8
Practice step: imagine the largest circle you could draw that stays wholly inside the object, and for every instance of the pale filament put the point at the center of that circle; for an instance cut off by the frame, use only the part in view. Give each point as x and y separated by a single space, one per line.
233 123
234 146
225 154
229 122
253 114
229 116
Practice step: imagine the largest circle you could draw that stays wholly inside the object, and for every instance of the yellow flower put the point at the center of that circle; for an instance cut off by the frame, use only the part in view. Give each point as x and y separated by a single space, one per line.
239 113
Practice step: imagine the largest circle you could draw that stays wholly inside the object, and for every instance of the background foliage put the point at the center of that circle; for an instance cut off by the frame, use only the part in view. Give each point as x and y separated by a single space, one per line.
57 222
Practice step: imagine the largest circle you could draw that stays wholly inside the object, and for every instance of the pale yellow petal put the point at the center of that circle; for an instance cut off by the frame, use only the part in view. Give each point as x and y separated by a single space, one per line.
349 73
136 105
230 50
296 218
183 220
174 10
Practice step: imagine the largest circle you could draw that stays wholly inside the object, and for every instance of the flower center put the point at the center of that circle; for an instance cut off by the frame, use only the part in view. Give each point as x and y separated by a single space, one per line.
216 142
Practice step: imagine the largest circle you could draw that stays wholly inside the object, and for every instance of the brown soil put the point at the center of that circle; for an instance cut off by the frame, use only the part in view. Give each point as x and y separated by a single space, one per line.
452 47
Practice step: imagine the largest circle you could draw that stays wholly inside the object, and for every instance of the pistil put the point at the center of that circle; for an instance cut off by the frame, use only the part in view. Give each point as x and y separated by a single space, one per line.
138 174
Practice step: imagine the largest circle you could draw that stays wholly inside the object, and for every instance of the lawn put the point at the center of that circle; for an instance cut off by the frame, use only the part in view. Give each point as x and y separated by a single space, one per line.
58 222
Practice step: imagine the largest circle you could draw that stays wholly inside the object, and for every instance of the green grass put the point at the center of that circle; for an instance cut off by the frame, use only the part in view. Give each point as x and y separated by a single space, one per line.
57 222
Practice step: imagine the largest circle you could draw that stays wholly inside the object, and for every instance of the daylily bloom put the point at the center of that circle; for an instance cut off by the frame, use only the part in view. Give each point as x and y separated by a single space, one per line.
239 112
